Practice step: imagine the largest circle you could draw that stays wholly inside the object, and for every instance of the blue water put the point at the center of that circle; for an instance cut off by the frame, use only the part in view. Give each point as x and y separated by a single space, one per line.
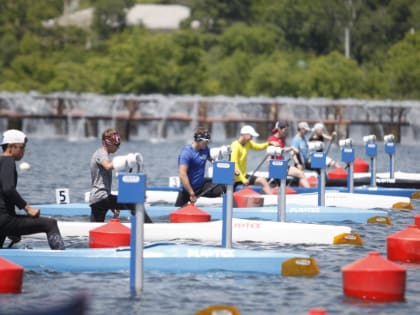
61 164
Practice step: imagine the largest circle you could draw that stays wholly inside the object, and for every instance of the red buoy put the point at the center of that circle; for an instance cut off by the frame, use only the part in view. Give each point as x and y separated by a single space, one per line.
338 173
289 191
247 198
374 278
317 311
360 166
404 245
11 277
189 213
417 220
112 234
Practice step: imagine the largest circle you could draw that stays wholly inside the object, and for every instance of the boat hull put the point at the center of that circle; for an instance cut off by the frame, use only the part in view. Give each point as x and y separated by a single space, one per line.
306 196
211 232
294 213
175 258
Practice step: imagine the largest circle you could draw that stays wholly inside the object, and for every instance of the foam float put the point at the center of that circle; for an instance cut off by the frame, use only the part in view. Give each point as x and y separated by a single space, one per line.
374 278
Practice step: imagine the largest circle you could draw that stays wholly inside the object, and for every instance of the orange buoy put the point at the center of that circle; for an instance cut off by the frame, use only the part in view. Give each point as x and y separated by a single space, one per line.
312 180
289 191
404 245
374 278
360 166
317 311
247 198
112 234
338 173
189 213
11 276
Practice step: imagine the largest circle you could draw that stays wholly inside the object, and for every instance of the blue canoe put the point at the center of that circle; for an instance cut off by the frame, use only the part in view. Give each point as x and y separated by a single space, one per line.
294 213
164 257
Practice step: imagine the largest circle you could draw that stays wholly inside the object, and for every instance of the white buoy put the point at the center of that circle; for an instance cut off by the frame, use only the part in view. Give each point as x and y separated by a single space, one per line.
24 166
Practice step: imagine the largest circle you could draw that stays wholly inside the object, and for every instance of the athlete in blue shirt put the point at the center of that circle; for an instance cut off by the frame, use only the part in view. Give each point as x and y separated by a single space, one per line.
192 167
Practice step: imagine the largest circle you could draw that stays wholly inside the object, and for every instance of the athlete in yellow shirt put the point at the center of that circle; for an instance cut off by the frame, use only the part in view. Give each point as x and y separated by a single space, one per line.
239 155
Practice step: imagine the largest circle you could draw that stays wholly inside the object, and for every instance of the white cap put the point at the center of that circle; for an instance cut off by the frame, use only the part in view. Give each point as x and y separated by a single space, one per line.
303 125
318 126
13 136
249 130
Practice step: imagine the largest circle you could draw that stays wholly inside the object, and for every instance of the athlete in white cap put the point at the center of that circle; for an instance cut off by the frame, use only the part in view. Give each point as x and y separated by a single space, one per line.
12 225
239 155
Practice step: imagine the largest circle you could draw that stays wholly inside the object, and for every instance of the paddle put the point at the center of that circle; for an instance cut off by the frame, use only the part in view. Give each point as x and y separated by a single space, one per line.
13 240
330 142
259 165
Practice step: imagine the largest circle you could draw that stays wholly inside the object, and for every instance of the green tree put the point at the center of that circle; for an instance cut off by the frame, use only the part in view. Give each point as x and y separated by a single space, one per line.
216 15
280 75
254 40
401 71
333 76
109 16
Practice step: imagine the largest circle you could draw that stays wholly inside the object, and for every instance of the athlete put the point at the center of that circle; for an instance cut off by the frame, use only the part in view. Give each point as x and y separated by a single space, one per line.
101 199
13 225
191 168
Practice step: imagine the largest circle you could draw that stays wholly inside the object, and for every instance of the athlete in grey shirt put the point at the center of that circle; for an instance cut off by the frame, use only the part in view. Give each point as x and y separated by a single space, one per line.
101 199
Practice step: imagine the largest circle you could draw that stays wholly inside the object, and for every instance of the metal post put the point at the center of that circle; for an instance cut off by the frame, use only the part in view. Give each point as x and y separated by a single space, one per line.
281 201
390 149
132 189
227 217
373 171
371 151
224 173
321 194
318 161
391 166
350 183
137 249
347 156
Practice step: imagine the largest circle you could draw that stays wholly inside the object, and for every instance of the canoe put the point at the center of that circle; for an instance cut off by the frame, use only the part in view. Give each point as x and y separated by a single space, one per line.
211 232
400 179
175 258
383 179
410 193
404 184
308 197
294 213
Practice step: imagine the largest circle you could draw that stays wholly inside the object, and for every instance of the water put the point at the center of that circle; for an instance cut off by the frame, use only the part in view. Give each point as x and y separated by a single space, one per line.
58 163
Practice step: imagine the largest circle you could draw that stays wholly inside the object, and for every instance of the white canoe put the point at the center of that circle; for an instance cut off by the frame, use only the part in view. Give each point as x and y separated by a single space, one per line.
242 230
332 199
294 213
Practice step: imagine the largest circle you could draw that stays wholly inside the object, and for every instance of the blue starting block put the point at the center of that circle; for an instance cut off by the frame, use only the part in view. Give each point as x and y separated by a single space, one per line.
131 188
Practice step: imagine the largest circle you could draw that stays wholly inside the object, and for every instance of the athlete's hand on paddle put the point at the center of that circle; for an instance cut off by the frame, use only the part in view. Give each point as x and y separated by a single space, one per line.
119 163
32 212
193 198
134 161
128 163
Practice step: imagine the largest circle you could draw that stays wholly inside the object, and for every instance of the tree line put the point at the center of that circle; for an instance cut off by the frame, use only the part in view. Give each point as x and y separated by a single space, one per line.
299 48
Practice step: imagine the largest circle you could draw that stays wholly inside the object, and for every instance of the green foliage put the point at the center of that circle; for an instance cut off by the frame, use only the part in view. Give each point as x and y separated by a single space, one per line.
401 68
333 76
241 47
109 16
280 75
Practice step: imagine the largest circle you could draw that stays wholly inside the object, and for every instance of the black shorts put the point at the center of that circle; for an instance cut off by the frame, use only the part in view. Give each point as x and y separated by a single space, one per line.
100 208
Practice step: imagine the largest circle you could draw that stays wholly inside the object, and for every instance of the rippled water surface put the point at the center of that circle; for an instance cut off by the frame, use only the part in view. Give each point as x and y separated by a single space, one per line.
62 164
